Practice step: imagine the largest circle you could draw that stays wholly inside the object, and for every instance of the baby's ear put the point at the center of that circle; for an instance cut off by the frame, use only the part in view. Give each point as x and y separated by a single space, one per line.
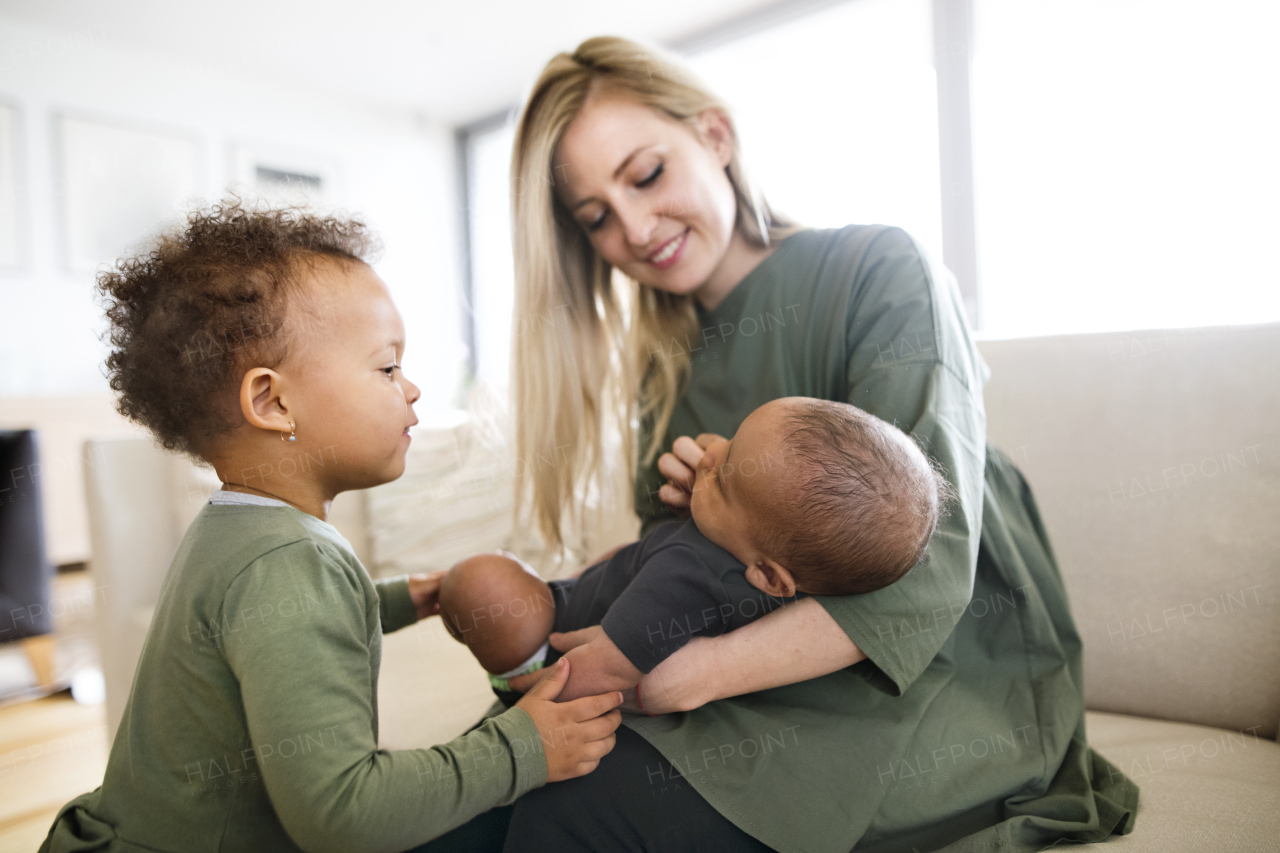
771 578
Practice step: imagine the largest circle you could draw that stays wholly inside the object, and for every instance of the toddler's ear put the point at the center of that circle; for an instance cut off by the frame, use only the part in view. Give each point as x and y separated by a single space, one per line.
261 400
771 578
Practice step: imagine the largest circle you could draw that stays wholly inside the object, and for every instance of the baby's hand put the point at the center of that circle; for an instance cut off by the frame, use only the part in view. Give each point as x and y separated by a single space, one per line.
575 735
679 466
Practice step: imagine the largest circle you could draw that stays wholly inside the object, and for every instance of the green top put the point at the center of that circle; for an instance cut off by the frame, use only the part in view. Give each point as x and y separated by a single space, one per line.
253 719
966 722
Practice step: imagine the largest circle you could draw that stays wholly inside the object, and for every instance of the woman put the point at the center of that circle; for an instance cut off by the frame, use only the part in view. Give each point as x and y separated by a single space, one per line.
946 709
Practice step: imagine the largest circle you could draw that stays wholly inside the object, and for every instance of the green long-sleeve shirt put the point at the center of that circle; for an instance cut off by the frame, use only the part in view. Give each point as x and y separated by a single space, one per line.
965 725
253 719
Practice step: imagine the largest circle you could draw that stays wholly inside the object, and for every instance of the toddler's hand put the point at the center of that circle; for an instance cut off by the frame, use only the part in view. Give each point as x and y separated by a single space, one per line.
575 735
424 591
679 468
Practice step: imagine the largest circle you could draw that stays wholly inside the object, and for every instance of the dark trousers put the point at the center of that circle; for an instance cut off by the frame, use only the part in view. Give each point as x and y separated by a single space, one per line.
634 801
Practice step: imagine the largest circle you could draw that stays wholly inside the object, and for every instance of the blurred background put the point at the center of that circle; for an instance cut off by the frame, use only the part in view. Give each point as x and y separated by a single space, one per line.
1080 165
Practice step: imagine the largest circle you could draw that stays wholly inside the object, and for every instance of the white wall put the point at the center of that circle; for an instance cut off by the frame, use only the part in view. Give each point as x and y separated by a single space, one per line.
396 169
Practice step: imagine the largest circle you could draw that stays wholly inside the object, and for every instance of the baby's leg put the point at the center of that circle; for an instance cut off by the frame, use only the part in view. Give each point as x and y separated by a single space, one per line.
497 609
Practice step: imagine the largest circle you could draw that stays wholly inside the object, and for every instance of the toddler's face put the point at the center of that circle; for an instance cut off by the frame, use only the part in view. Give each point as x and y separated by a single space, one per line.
354 405
734 474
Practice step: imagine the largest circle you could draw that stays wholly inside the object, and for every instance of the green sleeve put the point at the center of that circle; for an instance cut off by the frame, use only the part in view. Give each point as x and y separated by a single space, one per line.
395 607
308 683
911 362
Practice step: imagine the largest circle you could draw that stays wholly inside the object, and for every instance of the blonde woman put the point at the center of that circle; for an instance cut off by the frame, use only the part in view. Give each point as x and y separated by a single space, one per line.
661 299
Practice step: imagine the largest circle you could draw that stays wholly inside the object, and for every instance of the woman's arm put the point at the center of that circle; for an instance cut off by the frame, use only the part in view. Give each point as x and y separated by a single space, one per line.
793 643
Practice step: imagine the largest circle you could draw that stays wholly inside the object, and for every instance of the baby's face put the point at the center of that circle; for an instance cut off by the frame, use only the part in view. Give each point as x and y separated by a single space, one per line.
734 475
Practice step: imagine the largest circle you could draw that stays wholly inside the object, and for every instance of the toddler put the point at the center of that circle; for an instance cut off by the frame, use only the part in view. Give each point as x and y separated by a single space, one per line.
810 497
259 342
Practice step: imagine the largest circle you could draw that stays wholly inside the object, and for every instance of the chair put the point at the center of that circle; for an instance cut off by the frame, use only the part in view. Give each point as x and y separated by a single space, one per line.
132 506
26 574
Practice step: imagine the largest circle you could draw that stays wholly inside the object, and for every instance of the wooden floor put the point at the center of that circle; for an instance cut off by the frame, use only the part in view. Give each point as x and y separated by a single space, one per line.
51 750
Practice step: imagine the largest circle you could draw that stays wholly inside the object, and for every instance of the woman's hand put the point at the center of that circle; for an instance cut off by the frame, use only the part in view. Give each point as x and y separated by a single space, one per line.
679 468
424 590
565 642
669 687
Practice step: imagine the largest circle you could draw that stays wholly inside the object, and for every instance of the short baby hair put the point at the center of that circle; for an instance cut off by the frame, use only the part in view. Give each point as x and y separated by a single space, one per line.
204 302
861 505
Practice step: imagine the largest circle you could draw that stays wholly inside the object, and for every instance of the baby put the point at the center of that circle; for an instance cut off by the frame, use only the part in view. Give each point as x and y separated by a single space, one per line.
811 497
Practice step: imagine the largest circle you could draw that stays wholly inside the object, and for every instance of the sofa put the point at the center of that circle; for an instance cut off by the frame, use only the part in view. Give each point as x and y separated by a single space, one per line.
1155 459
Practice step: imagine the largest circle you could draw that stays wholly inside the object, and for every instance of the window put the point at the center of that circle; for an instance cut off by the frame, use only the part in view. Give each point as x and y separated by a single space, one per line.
492 278
838 116
1125 163
1123 154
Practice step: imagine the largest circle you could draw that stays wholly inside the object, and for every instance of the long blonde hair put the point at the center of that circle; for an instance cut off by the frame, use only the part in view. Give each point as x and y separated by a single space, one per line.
591 351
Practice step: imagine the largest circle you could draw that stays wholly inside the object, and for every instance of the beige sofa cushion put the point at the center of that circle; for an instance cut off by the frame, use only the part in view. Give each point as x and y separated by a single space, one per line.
457 498
1202 788
1155 459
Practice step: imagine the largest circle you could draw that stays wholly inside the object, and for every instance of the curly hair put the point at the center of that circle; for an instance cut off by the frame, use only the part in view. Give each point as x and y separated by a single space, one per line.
202 303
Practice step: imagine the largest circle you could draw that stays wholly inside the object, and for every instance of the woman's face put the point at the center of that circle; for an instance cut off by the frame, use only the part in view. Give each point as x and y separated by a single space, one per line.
650 193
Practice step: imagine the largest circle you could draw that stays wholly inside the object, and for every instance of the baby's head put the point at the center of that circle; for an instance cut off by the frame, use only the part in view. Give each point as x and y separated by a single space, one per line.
498 607
820 497
258 340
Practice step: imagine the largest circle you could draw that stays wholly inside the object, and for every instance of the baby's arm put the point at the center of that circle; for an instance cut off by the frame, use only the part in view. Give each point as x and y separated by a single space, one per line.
598 666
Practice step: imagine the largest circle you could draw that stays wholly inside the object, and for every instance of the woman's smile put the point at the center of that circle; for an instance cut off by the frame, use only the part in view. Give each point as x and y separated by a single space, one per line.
669 252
